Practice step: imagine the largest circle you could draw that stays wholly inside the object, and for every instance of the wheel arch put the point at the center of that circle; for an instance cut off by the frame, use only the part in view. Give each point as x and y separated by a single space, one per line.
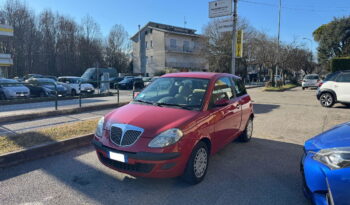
207 142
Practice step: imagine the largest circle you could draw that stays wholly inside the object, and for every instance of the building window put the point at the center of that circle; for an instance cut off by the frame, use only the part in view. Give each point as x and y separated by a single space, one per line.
172 43
151 44
146 45
151 60
186 46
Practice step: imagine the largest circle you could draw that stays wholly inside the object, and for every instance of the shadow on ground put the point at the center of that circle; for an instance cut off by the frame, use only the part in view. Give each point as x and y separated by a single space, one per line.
259 172
264 108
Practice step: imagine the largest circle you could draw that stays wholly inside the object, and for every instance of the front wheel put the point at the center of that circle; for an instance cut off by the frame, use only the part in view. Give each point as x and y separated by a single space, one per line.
197 165
247 134
327 100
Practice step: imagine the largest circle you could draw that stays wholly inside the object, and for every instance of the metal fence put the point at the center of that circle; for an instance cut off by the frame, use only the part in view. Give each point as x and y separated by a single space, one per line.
54 95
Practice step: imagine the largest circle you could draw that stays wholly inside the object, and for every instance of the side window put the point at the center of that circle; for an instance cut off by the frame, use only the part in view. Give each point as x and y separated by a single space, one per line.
344 78
172 43
239 87
222 90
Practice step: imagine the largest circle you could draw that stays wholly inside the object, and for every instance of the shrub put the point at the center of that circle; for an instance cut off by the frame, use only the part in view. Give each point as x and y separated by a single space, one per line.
342 63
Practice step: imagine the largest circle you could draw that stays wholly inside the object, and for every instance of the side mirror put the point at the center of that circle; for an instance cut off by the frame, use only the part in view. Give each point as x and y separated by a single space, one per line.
221 103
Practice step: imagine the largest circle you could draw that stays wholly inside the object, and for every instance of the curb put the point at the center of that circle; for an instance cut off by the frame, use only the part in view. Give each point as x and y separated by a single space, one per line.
286 89
58 112
44 150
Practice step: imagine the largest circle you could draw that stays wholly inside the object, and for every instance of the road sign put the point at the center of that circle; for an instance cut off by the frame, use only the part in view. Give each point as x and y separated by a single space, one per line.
220 8
6 30
225 25
239 44
5 60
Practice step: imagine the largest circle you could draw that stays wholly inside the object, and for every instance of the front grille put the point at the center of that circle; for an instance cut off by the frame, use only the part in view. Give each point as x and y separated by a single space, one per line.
116 135
124 134
138 167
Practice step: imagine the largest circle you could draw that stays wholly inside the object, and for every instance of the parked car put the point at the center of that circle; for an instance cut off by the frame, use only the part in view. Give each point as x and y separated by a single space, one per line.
335 88
26 77
146 80
94 75
11 90
311 81
49 85
74 82
174 124
128 83
325 166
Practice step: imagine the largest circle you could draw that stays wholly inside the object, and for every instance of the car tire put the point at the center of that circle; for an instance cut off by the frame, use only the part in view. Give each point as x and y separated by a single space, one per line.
74 93
247 134
327 99
2 96
197 165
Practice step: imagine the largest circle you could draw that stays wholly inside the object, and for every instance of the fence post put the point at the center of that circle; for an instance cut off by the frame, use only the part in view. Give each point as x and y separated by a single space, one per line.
133 90
79 94
56 97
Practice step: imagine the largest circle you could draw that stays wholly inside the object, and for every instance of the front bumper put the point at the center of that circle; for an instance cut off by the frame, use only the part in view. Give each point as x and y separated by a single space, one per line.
143 164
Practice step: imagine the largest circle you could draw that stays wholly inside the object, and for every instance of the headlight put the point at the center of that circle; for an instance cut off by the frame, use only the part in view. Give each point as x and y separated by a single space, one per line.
166 138
335 158
99 129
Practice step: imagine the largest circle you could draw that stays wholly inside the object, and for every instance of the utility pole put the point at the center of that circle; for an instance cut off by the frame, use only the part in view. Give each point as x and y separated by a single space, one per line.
234 37
278 40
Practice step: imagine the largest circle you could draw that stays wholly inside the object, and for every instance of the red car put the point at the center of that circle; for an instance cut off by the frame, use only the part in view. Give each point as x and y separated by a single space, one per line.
172 127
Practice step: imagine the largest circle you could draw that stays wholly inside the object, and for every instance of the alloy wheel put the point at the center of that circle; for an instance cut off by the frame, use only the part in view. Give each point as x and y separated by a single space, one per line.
326 99
200 162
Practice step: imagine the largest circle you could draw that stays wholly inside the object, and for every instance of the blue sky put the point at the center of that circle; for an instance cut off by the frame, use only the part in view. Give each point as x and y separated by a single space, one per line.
299 17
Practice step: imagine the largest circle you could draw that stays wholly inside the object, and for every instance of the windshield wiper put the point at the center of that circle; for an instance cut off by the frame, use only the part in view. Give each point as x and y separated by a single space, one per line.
143 101
175 105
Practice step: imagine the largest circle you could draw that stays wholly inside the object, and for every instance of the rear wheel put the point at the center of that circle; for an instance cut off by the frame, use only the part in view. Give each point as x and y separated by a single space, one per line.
327 100
247 134
197 165
74 93
2 96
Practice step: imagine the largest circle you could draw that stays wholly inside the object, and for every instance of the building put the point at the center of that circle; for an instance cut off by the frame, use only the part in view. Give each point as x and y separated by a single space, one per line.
158 47
5 59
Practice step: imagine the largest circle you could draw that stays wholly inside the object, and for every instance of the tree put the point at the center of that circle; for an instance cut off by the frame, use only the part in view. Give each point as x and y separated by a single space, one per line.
117 48
333 39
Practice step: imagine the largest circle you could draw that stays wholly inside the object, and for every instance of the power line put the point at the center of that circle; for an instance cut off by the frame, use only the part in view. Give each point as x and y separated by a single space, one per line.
344 9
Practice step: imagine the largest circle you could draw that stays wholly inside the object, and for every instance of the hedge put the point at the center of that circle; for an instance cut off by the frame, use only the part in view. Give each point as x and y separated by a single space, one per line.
342 63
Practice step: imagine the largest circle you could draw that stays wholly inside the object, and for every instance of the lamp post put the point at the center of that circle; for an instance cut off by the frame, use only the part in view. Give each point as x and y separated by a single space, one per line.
278 40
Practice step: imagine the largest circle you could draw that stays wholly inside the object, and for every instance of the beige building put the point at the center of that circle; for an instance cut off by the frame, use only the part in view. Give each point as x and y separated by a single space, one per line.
163 47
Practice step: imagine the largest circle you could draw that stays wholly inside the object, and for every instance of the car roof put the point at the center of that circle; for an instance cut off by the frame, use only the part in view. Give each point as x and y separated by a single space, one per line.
205 75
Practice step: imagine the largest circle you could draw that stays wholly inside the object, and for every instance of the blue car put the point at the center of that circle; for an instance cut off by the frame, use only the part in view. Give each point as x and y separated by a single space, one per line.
325 166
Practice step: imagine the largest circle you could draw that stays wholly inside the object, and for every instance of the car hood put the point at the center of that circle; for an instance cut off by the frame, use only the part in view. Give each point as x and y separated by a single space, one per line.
338 136
16 89
153 119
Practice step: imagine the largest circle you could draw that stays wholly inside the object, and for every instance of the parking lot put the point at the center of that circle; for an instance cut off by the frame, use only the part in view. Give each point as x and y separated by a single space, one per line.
263 171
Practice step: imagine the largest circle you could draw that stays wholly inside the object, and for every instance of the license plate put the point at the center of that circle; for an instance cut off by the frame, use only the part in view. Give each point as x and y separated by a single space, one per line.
117 157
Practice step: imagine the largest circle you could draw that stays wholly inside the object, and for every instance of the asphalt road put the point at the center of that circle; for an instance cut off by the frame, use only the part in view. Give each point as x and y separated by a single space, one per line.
263 171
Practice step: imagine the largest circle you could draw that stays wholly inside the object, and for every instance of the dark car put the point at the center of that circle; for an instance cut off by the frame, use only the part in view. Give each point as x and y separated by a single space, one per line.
128 83
49 85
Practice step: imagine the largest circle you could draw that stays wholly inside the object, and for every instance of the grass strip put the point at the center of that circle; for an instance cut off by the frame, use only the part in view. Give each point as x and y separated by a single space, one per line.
16 142
283 88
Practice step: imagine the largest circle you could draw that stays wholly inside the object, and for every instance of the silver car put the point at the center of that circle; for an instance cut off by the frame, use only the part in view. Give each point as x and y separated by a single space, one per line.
10 90
311 81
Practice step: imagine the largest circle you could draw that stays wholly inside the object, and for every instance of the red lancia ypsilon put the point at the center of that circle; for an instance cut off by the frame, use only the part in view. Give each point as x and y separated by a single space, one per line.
174 124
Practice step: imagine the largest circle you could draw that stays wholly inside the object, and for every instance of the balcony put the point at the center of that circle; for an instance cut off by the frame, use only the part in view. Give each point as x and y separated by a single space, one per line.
180 49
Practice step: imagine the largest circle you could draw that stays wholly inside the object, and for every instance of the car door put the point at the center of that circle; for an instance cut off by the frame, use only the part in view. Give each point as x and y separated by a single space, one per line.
243 101
342 87
223 116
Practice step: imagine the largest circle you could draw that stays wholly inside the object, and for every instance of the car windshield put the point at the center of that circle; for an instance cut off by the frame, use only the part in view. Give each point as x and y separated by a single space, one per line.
331 76
311 77
126 80
185 93
89 73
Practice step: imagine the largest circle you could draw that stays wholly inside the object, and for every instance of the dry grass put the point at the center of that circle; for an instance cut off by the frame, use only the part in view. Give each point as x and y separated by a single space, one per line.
283 88
28 139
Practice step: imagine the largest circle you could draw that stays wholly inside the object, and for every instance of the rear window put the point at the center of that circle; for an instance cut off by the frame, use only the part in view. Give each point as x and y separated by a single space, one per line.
311 77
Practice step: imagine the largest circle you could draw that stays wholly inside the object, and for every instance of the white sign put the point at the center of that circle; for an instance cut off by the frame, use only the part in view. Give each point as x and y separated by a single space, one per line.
225 25
220 8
